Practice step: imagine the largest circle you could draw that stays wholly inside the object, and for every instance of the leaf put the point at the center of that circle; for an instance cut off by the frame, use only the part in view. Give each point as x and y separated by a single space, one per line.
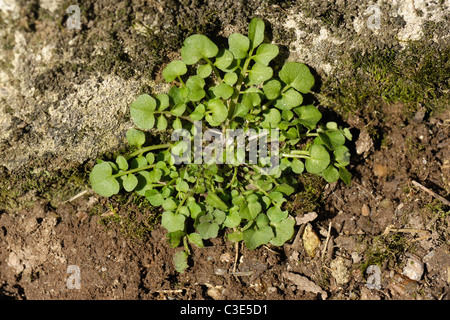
219 110
213 200
173 70
285 189
275 214
250 210
196 239
102 180
178 109
332 139
169 204
330 174
195 85
297 166
197 47
265 53
342 155
155 198
297 75
162 101
224 59
129 182
144 183
345 176
236 236
174 238
249 100
135 137
272 89
284 230
230 78
162 123
180 260
256 32
208 230
309 116
122 163
198 113
256 238
238 45
172 222
289 100
271 118
232 220
142 110
182 186
259 73
204 70
223 90
319 159
195 209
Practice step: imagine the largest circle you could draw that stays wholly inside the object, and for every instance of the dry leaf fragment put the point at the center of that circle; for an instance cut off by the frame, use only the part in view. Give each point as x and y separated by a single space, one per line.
304 284
310 241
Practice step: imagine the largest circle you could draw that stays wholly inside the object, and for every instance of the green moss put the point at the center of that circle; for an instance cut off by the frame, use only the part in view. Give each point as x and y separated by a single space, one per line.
414 77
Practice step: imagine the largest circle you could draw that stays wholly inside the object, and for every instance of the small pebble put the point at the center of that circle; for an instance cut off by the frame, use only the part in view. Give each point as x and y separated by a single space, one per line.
365 210
413 268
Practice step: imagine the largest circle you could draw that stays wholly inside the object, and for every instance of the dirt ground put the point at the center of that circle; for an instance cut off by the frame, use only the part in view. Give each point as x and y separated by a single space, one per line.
394 217
42 241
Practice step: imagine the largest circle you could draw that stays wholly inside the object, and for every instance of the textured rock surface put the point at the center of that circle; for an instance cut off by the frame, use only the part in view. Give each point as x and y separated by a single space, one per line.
64 94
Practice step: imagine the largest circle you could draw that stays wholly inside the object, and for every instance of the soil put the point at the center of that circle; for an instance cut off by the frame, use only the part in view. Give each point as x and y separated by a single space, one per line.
382 219
41 241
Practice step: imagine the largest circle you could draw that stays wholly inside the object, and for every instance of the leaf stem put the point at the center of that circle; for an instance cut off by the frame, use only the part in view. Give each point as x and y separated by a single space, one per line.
216 72
134 170
149 148
286 155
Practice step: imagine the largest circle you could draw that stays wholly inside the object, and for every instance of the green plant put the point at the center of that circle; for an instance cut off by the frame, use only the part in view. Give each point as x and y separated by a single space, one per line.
230 89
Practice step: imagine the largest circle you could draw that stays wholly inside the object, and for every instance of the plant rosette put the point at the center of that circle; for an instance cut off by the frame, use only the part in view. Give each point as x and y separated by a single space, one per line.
214 91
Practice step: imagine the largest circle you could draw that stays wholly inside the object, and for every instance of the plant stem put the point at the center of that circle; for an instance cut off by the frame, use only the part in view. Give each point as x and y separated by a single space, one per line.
216 72
286 155
258 187
233 178
149 148
134 170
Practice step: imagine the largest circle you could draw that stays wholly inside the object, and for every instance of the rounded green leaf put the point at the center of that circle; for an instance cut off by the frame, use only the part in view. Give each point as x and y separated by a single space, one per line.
289 100
129 182
142 110
208 230
224 59
342 155
219 110
319 159
162 101
204 70
259 73
298 76
169 204
162 123
345 175
271 118
214 200
197 47
155 198
230 78
196 239
284 230
255 238
272 89
265 53
275 214
256 32
308 115
182 186
135 137
173 70
102 180
122 163
195 85
223 90
238 45
331 174
198 113
180 259
172 222
297 166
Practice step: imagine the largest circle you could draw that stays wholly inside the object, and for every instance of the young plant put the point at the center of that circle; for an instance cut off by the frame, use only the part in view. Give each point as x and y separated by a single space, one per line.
210 192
